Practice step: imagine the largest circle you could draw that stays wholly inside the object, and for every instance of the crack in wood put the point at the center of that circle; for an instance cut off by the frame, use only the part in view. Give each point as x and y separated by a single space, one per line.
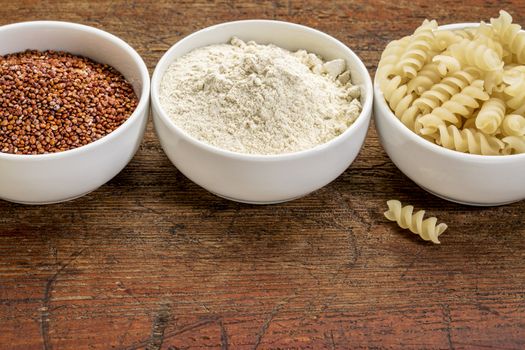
483 346
128 291
269 319
224 336
412 263
160 323
329 338
448 322
123 336
332 340
45 314
187 328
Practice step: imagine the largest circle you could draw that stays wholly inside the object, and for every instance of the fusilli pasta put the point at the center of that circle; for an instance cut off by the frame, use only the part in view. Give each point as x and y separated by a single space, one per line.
406 219
425 79
445 38
515 89
469 124
396 94
417 51
513 125
461 104
390 56
446 64
461 89
510 34
485 35
443 91
490 116
468 140
467 33
514 144
474 53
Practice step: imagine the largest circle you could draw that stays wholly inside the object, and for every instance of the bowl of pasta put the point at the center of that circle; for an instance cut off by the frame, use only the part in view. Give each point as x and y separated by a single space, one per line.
449 108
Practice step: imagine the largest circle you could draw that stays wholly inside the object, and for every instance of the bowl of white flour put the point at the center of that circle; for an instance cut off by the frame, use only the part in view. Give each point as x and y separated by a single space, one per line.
261 111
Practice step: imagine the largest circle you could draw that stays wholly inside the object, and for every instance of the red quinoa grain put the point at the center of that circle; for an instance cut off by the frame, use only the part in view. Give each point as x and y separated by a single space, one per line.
52 101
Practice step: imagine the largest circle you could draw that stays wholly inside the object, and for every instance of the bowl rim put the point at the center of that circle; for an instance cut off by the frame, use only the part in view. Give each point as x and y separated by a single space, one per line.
385 110
103 35
367 90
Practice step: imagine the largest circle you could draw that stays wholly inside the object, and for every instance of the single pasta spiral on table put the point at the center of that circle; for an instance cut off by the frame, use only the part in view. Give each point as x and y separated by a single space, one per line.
510 35
461 104
490 116
468 140
406 219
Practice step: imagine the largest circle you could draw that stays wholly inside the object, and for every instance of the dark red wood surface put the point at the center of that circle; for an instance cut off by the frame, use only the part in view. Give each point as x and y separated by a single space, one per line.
152 261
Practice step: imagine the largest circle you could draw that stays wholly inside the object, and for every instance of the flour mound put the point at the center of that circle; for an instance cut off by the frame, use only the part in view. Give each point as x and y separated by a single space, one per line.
259 99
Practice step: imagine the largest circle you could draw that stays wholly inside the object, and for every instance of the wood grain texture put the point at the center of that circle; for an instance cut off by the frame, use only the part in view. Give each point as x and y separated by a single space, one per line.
152 261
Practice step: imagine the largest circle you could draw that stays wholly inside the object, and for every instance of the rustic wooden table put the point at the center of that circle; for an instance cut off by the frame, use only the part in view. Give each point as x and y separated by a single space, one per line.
152 261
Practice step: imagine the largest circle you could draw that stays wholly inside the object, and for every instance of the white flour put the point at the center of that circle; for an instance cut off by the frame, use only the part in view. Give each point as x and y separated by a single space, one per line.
259 99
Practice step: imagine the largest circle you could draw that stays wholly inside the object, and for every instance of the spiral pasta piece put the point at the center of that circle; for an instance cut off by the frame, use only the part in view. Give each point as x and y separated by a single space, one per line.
468 141
391 56
515 89
467 33
493 80
443 91
461 89
485 35
510 34
490 116
406 219
513 125
417 51
484 29
461 104
446 64
516 102
399 101
445 38
519 111
492 44
515 67
514 144
469 124
476 54
427 77
394 50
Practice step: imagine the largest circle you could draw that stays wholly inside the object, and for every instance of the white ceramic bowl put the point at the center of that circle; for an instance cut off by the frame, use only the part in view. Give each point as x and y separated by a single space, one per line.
262 179
57 177
455 176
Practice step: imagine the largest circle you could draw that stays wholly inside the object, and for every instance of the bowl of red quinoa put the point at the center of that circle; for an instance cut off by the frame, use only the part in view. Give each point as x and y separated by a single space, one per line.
74 102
